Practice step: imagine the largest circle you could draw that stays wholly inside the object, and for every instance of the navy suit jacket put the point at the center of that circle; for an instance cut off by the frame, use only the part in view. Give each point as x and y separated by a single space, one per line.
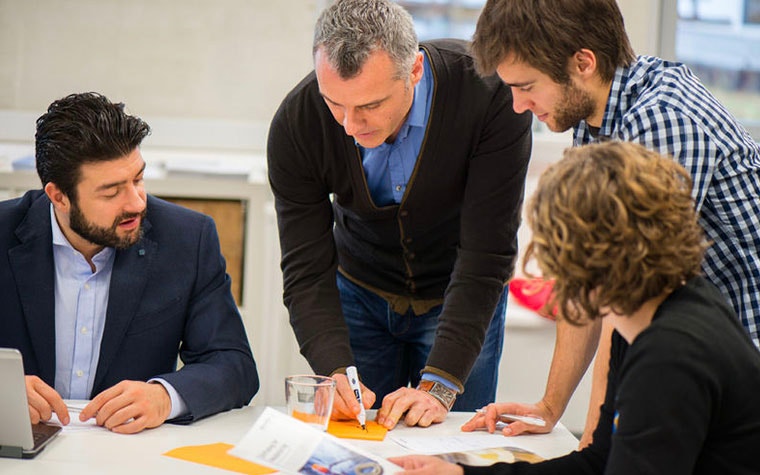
169 294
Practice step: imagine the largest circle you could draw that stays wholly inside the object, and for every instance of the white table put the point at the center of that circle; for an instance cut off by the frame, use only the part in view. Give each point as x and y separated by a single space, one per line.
98 451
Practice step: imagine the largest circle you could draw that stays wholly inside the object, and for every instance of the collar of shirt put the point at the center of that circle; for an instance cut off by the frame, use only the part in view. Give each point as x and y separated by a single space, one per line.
623 92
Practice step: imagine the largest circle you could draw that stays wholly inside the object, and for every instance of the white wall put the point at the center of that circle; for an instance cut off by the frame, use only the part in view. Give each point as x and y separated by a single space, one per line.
225 62
642 21
228 60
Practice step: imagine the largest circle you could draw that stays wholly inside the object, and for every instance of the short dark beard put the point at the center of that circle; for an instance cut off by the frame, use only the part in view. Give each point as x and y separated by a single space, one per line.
106 237
577 105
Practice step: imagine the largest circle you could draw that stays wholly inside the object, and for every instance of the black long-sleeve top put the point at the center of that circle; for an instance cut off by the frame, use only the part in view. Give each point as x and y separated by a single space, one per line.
682 399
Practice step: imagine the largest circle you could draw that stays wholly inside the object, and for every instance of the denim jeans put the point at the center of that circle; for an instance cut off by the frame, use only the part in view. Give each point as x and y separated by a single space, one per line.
390 349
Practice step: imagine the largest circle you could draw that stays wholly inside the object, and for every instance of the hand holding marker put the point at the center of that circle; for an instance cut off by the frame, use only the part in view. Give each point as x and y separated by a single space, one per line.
353 380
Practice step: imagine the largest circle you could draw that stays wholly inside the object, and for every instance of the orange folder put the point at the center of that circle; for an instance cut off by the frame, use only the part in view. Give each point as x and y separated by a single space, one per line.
215 455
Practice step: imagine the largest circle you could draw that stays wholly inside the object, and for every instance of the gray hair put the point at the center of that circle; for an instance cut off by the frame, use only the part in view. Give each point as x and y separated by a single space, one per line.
350 30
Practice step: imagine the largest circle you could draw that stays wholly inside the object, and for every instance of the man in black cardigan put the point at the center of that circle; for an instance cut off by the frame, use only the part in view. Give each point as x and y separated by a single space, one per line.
398 177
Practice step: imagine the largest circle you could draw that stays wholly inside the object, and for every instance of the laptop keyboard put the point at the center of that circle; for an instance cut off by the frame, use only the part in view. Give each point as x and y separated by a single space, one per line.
42 432
39 437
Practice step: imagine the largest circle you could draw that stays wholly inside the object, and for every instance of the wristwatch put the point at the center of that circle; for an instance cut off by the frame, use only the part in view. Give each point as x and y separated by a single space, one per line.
439 391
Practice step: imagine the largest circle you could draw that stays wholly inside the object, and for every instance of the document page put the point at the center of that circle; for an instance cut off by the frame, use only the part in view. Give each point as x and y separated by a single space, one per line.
282 442
75 406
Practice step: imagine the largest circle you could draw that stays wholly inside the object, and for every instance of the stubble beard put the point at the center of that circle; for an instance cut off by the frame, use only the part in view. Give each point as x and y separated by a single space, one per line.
576 106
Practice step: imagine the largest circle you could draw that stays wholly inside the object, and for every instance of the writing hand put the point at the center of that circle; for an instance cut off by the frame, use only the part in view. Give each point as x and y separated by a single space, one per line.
345 405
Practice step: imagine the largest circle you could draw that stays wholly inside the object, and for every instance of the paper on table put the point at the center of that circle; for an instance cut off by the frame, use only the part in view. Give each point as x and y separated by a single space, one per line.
74 425
215 455
352 430
456 443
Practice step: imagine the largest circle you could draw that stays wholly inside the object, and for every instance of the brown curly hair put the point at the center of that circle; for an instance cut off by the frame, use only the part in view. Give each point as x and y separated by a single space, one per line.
614 225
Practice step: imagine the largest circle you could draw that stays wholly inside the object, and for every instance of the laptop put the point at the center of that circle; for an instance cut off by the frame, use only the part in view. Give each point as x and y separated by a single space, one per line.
19 438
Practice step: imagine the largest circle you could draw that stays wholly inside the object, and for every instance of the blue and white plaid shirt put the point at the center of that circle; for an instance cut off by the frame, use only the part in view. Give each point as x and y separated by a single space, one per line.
663 106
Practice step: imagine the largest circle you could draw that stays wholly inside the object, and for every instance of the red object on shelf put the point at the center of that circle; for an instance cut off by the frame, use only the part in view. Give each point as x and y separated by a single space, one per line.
533 294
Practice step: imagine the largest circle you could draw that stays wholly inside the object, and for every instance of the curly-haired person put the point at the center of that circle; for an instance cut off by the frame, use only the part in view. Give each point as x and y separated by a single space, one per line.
614 224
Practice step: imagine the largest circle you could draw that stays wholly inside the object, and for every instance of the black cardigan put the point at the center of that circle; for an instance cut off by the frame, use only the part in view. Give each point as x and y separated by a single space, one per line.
453 233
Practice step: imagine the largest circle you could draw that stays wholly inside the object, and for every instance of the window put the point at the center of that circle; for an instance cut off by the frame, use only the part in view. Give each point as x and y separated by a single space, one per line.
444 18
720 41
752 12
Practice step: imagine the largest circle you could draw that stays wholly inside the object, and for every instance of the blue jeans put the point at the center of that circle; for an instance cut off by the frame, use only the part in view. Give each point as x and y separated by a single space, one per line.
390 349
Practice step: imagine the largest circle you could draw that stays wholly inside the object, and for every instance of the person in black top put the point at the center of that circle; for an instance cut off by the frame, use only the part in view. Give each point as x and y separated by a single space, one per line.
398 176
615 226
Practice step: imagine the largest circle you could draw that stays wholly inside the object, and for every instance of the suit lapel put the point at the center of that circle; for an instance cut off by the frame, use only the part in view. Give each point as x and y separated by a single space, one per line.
128 280
33 269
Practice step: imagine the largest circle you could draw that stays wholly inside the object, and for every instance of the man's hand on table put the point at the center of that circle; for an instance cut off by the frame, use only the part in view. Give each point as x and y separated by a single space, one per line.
489 416
416 407
129 407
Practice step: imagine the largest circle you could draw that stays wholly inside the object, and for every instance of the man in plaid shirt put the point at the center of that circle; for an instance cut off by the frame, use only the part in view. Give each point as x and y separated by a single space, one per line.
570 62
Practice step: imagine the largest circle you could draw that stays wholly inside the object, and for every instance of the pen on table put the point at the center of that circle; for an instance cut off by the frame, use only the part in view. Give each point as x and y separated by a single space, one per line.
536 421
353 380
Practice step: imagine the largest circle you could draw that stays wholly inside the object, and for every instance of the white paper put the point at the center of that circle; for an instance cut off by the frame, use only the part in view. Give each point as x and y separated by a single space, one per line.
279 441
74 425
458 443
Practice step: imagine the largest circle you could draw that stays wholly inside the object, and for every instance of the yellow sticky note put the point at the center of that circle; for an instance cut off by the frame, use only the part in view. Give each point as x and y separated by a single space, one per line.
352 430
215 455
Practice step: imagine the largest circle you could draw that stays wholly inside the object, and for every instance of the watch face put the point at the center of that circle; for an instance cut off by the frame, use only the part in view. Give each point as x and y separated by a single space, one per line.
439 391
444 394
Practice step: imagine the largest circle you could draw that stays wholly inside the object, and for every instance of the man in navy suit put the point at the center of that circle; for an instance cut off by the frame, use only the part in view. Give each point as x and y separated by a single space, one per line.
102 286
